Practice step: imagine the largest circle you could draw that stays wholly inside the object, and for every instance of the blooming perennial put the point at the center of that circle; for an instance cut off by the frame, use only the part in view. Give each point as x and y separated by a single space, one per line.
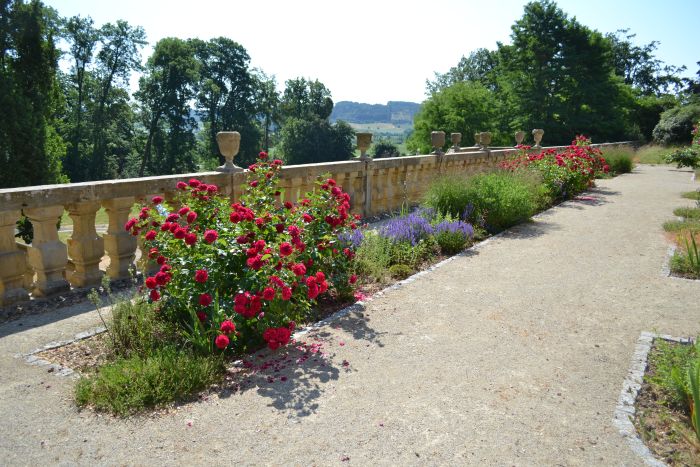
235 275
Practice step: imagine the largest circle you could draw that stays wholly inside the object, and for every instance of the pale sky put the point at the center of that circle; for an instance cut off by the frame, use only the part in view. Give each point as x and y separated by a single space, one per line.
376 51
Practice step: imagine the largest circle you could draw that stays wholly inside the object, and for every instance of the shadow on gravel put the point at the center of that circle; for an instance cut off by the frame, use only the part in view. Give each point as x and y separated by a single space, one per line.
31 321
293 378
531 229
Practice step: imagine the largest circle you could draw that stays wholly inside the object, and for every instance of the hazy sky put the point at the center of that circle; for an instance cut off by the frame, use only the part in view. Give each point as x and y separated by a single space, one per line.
375 51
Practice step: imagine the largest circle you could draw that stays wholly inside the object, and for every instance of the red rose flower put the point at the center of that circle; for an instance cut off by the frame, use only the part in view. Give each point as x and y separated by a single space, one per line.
153 252
162 278
194 183
130 223
288 205
151 282
227 327
151 235
299 269
269 294
307 217
201 276
191 217
157 199
183 210
255 262
294 231
202 316
161 260
205 299
165 226
222 341
285 249
191 238
259 245
155 295
254 183
279 227
210 236
180 233
181 185
352 279
286 293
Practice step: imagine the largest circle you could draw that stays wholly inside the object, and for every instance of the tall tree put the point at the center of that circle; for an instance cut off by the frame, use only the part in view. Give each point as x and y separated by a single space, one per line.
119 55
165 92
479 66
226 96
307 136
268 101
31 151
82 37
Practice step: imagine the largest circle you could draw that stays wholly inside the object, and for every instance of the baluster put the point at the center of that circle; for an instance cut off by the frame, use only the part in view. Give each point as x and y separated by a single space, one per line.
85 247
120 244
13 260
47 255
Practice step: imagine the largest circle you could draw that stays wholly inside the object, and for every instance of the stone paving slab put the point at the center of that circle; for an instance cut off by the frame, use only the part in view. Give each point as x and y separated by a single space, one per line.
514 353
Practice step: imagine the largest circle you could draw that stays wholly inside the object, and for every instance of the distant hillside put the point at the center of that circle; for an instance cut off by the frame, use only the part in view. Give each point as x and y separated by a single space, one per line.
393 112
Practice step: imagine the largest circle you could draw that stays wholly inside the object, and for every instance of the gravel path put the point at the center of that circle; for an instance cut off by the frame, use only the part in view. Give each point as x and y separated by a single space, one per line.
514 354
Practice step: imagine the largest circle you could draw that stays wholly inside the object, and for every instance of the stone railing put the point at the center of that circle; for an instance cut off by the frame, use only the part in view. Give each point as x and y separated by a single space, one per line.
48 266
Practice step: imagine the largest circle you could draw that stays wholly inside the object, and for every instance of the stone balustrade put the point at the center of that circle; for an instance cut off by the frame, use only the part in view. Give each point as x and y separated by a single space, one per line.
48 266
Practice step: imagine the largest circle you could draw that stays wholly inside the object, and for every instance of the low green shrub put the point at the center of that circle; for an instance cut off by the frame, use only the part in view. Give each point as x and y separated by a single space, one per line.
676 226
695 195
672 362
400 271
501 199
136 329
130 385
450 195
688 213
685 157
619 160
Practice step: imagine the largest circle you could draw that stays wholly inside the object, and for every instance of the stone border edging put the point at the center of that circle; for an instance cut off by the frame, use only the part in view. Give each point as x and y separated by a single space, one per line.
58 370
625 410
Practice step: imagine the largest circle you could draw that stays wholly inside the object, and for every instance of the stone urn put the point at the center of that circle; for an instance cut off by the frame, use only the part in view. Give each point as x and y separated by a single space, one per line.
229 143
537 136
437 140
485 138
456 138
363 142
519 137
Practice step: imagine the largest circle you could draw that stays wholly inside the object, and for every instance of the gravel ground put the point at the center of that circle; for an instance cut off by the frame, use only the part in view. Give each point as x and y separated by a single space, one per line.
514 354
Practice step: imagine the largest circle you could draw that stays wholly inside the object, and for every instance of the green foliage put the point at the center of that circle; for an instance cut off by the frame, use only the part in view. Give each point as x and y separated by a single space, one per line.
501 199
676 124
315 140
694 380
687 262
226 97
688 213
133 384
137 329
465 107
677 226
385 148
686 157
31 152
672 362
449 195
400 271
619 160
496 200
373 258
305 100
692 195
165 92
451 242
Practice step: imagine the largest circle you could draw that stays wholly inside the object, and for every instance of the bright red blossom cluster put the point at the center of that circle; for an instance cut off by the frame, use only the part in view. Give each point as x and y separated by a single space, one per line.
273 258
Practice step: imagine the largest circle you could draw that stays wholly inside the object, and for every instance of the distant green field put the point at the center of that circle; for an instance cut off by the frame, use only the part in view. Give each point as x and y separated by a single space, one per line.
380 127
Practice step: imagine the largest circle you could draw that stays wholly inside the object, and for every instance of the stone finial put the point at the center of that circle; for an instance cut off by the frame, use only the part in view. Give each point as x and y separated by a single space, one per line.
519 137
537 136
456 138
363 142
437 140
477 139
229 144
485 138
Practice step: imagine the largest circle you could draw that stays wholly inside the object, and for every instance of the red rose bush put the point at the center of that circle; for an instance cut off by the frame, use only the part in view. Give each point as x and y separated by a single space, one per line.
235 275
